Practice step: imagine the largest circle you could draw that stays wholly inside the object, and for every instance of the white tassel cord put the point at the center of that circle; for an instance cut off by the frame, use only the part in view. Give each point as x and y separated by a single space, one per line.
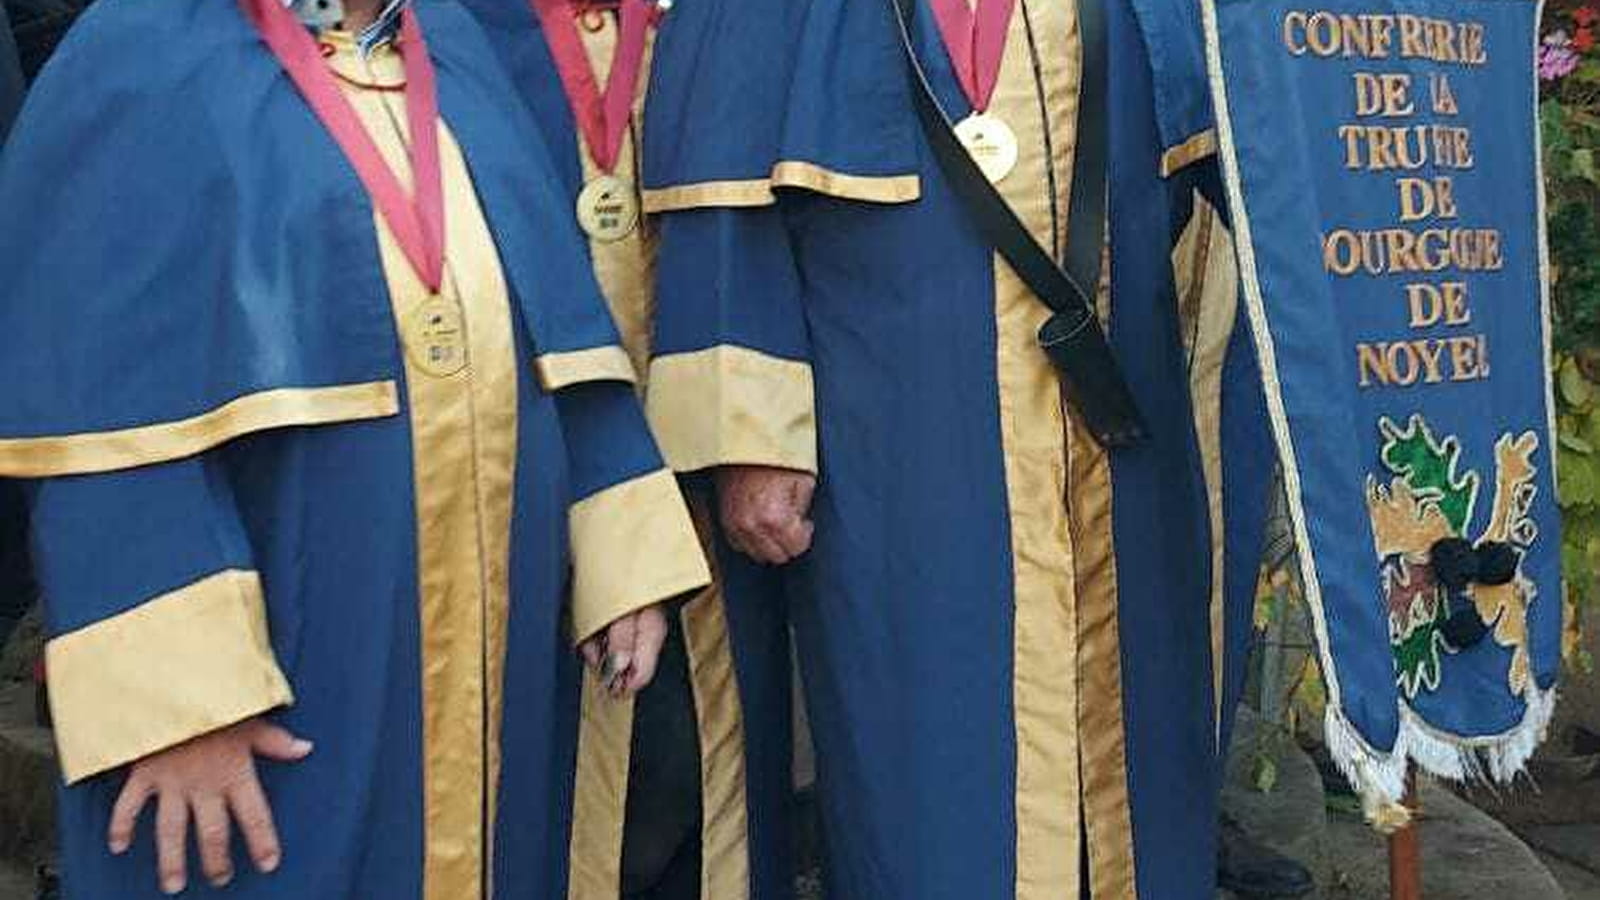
1379 779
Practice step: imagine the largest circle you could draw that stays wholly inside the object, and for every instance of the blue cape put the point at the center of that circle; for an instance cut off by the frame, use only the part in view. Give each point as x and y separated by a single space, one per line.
228 287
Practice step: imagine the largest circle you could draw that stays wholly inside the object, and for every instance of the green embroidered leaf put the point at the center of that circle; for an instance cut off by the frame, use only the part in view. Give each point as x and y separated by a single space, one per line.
1429 467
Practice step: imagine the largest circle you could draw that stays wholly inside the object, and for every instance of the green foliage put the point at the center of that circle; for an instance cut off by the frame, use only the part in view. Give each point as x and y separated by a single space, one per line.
1569 119
1429 466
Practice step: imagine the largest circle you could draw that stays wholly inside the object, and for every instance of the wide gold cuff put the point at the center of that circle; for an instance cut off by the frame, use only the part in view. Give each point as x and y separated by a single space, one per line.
176 667
608 363
730 405
126 448
633 545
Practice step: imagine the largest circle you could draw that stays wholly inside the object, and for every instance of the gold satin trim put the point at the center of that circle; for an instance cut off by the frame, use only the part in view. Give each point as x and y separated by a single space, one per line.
796 174
709 194
1104 759
633 545
1208 285
600 793
143 445
866 188
561 370
626 269
464 433
730 405
1034 437
1196 148
181 665
719 712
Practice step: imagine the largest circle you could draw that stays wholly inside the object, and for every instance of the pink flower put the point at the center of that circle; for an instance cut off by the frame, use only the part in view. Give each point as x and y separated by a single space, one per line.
1557 57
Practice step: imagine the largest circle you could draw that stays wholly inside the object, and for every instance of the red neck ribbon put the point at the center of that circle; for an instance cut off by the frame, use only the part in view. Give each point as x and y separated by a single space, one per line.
417 219
603 118
976 40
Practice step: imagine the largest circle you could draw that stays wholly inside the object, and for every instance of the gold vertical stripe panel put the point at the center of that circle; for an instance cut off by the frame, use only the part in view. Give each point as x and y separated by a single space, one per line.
463 426
173 668
1034 441
625 269
1208 294
158 442
725 827
600 793
491 334
1109 819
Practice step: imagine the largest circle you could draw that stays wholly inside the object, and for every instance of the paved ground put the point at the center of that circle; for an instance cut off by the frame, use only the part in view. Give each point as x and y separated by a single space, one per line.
1580 884
1465 856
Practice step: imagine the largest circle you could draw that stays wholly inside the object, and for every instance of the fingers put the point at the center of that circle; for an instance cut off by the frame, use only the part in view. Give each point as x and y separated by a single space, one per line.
172 828
764 515
125 814
801 491
250 809
652 634
592 650
794 537
621 639
277 743
763 548
211 833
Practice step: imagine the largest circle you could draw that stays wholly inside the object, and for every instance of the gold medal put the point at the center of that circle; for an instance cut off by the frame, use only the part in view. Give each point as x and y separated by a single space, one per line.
992 144
438 338
608 209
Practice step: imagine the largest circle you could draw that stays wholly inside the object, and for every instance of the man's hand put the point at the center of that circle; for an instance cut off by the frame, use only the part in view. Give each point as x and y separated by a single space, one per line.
211 780
626 653
765 511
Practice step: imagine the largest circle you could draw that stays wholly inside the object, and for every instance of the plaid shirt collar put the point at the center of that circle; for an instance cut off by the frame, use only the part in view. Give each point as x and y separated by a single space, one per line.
328 13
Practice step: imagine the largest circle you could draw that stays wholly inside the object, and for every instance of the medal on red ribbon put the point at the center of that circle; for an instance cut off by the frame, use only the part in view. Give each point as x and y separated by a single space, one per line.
415 218
607 206
976 41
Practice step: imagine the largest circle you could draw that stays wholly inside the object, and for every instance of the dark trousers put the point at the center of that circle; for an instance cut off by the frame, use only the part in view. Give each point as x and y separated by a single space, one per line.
11 83
39 25
17 591
661 837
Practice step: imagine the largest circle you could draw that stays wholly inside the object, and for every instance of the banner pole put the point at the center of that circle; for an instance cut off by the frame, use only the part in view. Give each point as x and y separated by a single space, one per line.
1405 854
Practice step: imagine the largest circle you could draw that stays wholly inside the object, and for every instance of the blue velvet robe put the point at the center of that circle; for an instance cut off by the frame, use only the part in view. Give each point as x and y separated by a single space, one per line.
1005 632
255 490
744 722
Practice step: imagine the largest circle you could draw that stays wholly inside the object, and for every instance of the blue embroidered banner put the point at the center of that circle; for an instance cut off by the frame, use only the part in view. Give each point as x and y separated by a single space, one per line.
1382 165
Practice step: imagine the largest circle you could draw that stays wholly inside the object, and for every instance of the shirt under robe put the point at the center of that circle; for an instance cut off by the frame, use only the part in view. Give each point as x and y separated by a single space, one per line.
737 633
1006 633
261 492
11 84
